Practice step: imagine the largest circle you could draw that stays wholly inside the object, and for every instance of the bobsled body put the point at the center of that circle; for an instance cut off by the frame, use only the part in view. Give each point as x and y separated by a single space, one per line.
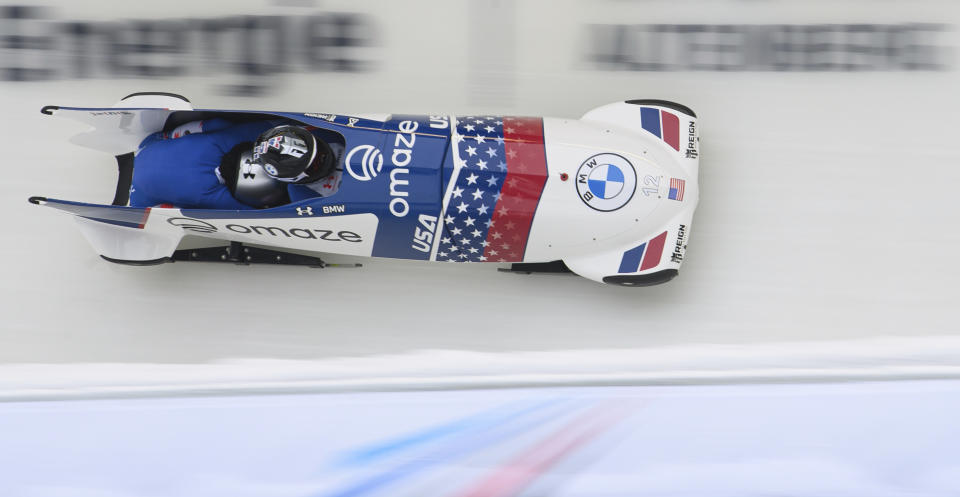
611 194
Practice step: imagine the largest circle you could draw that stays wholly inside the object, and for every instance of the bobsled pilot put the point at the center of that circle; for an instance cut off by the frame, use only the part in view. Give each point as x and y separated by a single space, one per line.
216 164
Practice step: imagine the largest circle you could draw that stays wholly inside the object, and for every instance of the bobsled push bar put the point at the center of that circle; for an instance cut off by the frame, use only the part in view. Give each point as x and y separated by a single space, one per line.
238 253
557 267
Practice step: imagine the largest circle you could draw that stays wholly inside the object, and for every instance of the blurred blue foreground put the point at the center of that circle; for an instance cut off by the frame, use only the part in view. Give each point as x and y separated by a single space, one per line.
878 439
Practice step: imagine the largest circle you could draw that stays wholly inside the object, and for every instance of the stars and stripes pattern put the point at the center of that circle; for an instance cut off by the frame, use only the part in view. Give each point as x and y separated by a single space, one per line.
676 189
502 173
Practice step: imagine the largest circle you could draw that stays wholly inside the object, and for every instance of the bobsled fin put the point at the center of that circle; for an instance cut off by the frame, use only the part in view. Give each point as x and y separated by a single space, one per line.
683 109
117 233
129 217
154 100
651 279
120 129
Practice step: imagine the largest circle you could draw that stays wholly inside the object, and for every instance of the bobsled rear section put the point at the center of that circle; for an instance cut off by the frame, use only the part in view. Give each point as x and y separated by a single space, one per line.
623 192
119 129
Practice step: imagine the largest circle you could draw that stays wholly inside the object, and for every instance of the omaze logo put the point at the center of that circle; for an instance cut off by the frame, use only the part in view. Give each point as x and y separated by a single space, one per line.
370 163
606 182
199 226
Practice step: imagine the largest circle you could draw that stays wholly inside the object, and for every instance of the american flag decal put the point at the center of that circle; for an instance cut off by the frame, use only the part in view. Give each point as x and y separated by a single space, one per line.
503 170
676 189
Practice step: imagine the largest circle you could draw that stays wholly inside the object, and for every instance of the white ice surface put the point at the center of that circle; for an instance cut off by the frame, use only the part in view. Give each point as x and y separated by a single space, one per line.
824 361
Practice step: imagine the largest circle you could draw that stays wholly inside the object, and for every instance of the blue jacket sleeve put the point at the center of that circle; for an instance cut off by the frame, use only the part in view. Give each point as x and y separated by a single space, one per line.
215 124
140 199
220 198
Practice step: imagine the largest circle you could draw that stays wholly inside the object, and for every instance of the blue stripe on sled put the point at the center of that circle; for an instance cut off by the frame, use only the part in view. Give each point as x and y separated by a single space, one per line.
631 259
650 120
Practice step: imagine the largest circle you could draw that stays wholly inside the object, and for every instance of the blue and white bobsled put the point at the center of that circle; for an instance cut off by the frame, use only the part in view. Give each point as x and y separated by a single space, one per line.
609 196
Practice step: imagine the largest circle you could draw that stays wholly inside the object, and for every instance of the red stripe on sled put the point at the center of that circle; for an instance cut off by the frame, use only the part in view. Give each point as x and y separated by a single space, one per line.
146 214
654 251
522 187
671 129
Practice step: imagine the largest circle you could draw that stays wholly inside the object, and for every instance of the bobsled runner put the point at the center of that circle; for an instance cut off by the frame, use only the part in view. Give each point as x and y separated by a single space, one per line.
609 196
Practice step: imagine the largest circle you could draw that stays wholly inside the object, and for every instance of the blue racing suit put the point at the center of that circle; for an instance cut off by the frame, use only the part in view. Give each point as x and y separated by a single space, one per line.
181 171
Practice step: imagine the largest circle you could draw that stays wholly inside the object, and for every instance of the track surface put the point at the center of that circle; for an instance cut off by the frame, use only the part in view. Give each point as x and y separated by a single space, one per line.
828 212
825 220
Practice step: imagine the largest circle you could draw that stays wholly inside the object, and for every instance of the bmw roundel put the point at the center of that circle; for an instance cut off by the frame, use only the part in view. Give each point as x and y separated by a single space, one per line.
606 182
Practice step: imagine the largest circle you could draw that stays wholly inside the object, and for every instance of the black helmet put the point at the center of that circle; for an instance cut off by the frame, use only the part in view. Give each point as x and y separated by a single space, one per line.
293 155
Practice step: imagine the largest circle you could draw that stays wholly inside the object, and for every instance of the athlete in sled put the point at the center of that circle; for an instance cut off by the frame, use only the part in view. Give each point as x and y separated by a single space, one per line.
216 164
609 196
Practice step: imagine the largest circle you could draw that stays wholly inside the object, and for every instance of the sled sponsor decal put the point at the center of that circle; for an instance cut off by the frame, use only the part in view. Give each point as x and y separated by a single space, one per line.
200 226
423 234
677 186
503 171
407 191
680 247
663 124
349 235
368 163
644 256
111 113
606 182
325 117
439 122
193 225
693 142
400 159
128 217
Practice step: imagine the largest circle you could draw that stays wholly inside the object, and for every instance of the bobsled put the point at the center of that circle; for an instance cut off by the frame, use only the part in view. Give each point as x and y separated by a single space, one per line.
609 196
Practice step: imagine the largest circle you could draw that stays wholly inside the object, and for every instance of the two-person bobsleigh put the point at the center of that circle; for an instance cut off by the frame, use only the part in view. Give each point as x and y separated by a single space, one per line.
609 196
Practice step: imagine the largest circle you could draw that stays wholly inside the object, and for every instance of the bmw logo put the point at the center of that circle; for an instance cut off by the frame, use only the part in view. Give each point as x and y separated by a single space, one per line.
606 182
272 171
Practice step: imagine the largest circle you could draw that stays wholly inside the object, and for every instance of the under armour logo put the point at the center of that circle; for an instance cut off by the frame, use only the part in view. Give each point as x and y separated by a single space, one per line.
301 211
248 175
353 120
